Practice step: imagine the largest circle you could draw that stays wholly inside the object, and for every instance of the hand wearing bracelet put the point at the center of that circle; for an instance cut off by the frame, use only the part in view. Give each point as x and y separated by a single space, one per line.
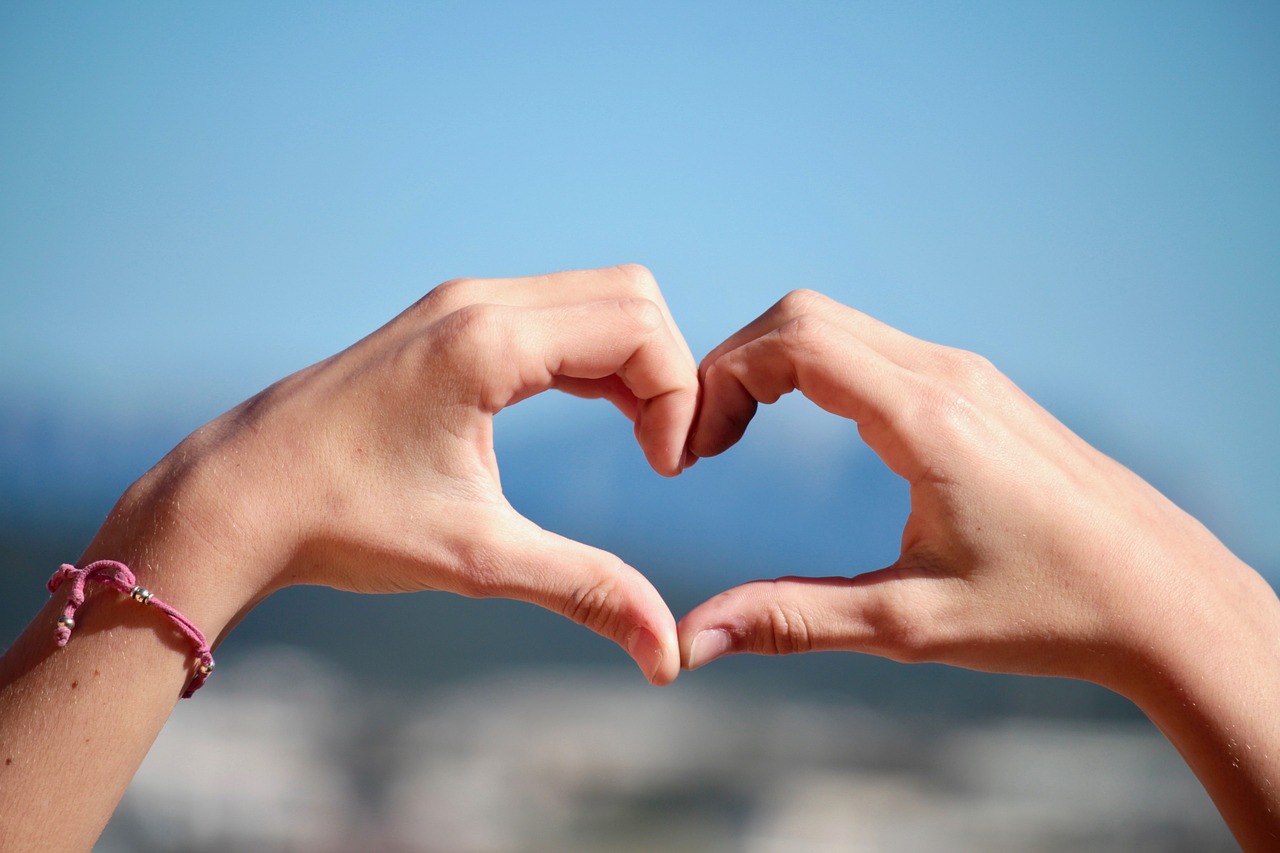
371 471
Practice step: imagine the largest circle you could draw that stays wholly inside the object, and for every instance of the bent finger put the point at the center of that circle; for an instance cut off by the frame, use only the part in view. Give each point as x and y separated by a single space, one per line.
516 353
830 366
569 287
894 344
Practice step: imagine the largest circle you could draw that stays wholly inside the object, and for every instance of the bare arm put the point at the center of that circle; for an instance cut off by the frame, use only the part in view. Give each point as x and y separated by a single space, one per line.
372 471
1026 551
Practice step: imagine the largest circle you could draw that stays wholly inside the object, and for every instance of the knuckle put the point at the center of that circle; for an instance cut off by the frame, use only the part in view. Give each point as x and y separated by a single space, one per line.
899 634
949 410
725 369
738 396
966 368
787 632
479 572
593 605
451 348
806 334
964 396
460 353
448 295
801 301
638 277
469 325
643 313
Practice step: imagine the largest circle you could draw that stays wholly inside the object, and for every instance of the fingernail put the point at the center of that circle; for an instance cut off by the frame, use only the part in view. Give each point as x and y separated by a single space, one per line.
644 648
709 645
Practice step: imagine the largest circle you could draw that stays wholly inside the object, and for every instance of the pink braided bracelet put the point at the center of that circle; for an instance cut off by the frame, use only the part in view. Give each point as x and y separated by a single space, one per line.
118 577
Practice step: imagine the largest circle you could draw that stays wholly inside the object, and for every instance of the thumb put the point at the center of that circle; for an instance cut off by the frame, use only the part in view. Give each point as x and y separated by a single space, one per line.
792 615
593 588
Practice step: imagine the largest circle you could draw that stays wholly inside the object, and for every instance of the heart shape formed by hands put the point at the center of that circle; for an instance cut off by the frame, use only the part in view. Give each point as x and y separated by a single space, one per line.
1025 549
1011 513
400 427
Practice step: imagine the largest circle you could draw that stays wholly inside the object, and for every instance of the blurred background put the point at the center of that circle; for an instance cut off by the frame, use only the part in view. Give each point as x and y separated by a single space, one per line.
196 199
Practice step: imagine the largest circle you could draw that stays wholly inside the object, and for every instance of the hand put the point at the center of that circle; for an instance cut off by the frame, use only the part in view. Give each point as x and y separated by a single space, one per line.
374 470
1026 550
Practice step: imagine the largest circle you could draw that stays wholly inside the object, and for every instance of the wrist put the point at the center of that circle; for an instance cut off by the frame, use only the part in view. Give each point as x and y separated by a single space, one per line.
193 535
1212 685
1215 619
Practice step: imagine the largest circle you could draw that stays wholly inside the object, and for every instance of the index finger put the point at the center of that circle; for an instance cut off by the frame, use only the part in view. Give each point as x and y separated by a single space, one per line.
896 345
569 287
829 365
513 353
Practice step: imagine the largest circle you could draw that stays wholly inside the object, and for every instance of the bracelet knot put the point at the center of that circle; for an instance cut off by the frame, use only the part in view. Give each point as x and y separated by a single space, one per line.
118 577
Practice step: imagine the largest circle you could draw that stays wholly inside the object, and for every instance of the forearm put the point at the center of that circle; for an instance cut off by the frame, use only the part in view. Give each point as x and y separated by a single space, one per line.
76 721
1212 684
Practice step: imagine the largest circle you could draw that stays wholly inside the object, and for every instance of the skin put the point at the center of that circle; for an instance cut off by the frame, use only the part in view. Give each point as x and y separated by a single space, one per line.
373 471
1025 551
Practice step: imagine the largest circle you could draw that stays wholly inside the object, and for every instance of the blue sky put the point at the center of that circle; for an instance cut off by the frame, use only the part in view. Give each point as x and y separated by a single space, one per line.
198 198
